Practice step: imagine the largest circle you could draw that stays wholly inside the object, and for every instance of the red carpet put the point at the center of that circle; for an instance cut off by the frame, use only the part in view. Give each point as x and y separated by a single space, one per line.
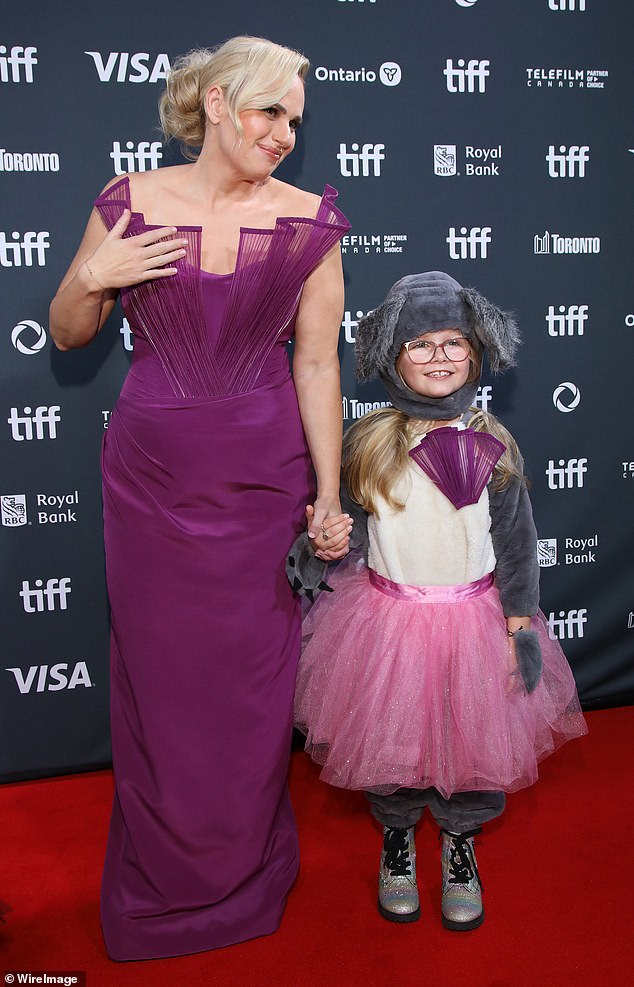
557 870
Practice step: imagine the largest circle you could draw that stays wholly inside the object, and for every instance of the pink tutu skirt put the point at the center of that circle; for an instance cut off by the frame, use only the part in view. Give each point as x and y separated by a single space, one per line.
410 687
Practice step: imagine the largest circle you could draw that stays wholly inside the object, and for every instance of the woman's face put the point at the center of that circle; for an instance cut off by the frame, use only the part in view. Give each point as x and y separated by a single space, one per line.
268 135
441 376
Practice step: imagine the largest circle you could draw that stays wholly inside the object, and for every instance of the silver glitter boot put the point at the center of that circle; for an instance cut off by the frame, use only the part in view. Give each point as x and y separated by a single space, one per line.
398 893
461 888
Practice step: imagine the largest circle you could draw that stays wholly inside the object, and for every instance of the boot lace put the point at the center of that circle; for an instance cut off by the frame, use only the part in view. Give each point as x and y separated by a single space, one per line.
462 867
396 848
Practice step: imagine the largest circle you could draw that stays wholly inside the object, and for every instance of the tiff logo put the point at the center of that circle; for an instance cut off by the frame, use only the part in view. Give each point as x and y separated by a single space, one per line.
45 597
567 4
147 153
18 59
44 419
357 162
22 250
567 474
483 397
568 624
349 325
569 162
130 68
461 79
469 244
569 322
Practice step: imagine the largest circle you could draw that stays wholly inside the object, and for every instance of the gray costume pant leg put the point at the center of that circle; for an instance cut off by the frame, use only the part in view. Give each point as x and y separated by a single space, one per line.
460 813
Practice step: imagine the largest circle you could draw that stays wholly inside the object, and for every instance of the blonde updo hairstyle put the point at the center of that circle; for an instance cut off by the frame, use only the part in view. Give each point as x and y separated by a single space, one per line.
253 74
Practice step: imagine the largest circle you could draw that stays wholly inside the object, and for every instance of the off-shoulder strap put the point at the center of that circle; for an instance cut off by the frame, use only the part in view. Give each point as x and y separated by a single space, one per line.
111 203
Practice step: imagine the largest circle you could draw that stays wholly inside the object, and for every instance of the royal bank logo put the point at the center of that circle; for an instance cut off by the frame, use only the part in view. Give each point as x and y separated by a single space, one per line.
478 161
568 625
467 77
13 510
562 78
374 243
122 66
445 160
566 474
144 156
469 244
566 397
40 597
567 321
34 425
51 678
388 73
17 64
547 552
568 162
24 249
28 160
555 243
579 5
361 161
580 551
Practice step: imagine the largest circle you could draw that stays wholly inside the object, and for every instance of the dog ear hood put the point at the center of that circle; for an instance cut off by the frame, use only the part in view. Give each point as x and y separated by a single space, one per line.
495 329
375 334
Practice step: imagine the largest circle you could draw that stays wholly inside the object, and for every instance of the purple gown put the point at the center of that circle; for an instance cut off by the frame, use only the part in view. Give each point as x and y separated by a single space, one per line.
206 476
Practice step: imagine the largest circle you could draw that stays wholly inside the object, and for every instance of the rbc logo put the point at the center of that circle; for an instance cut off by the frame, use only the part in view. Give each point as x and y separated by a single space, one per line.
546 552
46 597
464 78
131 68
146 154
357 162
569 322
569 162
13 508
44 419
566 474
12 254
19 58
469 244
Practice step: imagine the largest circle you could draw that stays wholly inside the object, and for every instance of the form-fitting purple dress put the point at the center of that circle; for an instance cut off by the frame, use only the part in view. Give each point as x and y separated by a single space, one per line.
206 475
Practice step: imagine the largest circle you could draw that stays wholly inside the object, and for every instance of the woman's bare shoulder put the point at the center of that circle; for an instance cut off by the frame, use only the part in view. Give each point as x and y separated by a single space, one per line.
295 201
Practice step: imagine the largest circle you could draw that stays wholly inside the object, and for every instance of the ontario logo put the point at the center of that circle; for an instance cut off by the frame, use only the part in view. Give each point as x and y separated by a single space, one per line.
388 73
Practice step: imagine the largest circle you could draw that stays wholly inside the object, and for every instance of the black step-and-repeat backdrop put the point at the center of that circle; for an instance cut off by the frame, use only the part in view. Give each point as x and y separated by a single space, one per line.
486 138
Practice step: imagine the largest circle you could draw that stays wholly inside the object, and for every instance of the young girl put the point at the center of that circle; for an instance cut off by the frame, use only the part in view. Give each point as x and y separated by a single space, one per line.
422 681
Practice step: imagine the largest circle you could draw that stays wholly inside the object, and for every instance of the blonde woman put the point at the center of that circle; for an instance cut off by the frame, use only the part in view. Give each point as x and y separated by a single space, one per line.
212 455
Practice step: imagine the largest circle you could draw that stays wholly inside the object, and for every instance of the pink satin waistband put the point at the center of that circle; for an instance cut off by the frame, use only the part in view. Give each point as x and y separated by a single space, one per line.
431 594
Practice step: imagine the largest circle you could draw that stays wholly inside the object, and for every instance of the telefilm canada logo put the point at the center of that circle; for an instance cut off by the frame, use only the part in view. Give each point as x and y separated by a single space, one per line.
123 66
478 161
373 243
28 160
566 78
555 243
388 73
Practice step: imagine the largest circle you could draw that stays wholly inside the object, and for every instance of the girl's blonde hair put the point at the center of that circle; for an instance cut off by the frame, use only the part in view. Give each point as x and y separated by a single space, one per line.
376 447
253 73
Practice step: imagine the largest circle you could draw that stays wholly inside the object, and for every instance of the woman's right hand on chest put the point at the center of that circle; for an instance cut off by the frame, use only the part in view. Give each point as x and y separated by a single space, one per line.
119 261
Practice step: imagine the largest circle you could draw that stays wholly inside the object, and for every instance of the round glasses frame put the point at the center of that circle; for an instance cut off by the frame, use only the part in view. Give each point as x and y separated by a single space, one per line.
423 351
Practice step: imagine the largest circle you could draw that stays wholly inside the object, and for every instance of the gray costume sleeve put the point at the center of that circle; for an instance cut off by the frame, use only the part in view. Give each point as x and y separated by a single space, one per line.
515 545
